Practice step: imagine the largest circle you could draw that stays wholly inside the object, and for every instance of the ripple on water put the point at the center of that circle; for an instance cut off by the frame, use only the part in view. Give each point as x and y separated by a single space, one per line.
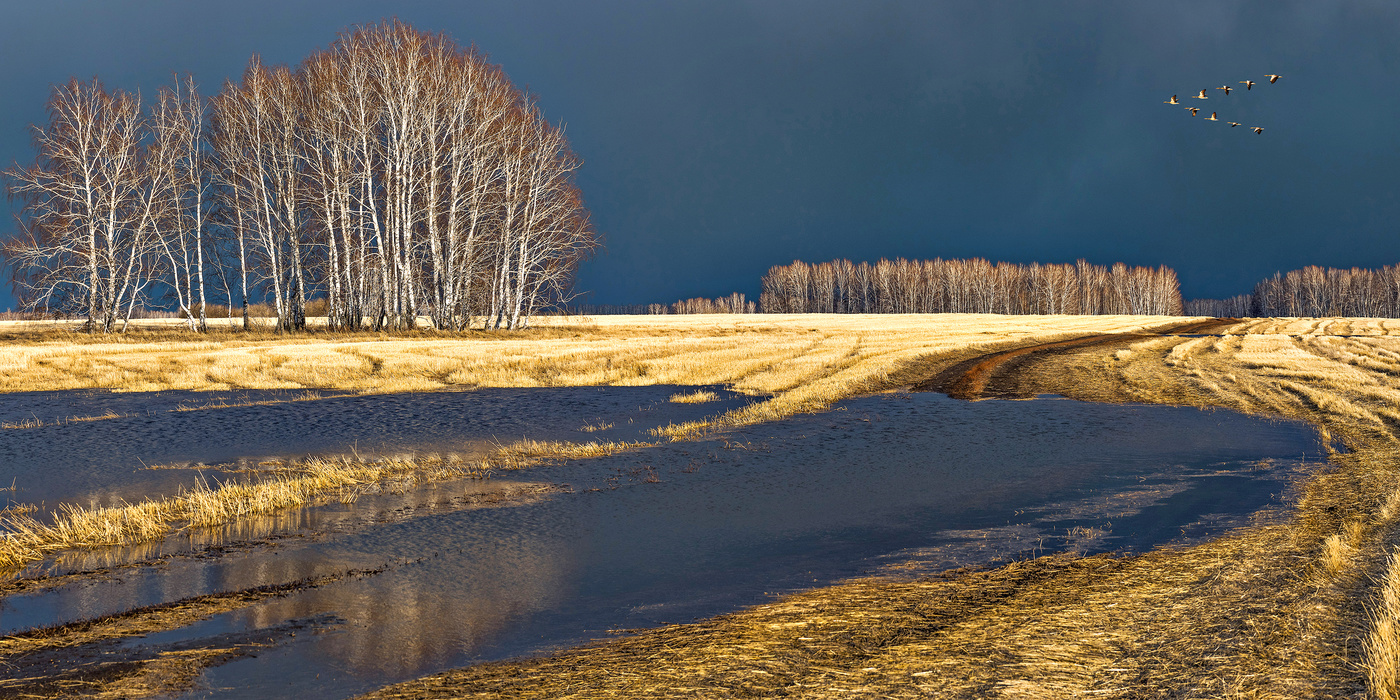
686 530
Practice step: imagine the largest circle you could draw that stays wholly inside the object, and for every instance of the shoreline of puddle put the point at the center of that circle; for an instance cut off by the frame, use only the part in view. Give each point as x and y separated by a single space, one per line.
685 531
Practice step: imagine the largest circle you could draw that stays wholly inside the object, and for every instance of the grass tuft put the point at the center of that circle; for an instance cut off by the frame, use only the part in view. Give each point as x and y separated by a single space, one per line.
701 396
530 453
1382 646
24 538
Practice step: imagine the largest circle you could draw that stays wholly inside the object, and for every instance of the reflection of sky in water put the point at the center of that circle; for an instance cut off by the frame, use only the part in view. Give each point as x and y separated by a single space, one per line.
779 507
102 462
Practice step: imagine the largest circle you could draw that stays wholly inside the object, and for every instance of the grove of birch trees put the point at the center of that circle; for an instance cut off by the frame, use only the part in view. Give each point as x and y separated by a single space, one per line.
1313 291
1318 291
1237 306
969 286
735 303
393 175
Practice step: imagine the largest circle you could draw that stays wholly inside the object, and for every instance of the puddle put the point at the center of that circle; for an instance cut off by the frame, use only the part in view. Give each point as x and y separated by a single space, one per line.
682 531
103 462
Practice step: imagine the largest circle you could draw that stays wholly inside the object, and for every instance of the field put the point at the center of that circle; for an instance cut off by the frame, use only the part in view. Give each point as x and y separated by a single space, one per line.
1309 607
1300 609
759 354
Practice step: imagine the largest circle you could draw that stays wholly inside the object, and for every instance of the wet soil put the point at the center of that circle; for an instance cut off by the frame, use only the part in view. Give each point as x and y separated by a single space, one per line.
997 374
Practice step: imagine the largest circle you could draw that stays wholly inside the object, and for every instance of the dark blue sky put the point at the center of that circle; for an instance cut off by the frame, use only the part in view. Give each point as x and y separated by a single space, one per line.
721 138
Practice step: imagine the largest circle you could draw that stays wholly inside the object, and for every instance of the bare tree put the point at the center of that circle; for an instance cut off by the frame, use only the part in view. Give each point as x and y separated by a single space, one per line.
396 173
969 286
89 207
176 160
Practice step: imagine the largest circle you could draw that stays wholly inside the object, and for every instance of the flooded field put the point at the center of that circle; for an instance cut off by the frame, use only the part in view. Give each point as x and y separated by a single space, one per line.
95 448
444 577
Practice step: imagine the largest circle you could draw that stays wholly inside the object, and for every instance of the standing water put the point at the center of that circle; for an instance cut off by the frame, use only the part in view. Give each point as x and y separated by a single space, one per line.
687 530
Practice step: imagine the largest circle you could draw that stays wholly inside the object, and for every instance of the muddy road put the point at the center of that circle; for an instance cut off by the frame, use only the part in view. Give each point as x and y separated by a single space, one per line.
997 374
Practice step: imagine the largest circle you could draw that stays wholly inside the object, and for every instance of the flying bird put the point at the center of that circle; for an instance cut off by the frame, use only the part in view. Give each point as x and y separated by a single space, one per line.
1212 118
1233 124
1193 110
1202 96
1257 129
1272 78
1172 101
1248 84
1226 88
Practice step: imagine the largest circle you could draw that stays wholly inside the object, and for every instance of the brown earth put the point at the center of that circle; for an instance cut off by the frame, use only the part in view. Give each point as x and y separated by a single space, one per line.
996 375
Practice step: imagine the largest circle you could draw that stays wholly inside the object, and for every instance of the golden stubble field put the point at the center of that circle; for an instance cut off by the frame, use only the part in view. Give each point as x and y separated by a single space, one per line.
758 354
1309 607
1305 607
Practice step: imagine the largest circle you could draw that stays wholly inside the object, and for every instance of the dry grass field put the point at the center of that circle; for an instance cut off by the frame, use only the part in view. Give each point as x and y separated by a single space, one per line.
758 354
798 362
1306 607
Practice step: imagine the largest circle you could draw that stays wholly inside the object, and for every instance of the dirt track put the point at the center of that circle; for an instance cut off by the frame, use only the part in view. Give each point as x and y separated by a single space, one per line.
993 375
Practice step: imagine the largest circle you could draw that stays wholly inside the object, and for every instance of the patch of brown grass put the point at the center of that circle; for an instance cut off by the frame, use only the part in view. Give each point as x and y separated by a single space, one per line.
26 538
1058 627
1269 611
29 423
153 618
1383 639
528 453
755 354
244 403
700 396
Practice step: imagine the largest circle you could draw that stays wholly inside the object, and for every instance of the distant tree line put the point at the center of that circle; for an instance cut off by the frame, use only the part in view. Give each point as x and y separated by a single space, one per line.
735 303
969 286
1237 306
1317 291
1314 291
394 174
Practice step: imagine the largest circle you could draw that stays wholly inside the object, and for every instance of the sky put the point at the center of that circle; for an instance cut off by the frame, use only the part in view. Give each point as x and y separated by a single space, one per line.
723 137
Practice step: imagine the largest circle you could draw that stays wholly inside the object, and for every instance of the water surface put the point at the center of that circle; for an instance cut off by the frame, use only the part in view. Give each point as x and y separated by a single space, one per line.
102 462
690 530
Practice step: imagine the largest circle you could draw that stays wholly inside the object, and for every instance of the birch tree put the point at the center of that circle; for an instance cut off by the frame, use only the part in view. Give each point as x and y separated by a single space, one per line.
969 286
86 217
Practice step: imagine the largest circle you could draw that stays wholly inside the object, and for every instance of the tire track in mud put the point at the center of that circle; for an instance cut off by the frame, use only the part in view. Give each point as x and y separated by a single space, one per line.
95 657
992 375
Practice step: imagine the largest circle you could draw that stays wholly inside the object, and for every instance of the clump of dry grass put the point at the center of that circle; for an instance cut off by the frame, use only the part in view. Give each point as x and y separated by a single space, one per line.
1335 554
25 538
529 453
700 396
38 423
245 403
1382 646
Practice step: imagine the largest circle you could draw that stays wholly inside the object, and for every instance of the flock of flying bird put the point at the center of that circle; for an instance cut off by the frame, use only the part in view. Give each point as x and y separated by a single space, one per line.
1248 85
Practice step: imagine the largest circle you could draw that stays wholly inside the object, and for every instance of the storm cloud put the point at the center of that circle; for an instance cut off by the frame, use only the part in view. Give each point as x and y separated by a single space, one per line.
721 138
